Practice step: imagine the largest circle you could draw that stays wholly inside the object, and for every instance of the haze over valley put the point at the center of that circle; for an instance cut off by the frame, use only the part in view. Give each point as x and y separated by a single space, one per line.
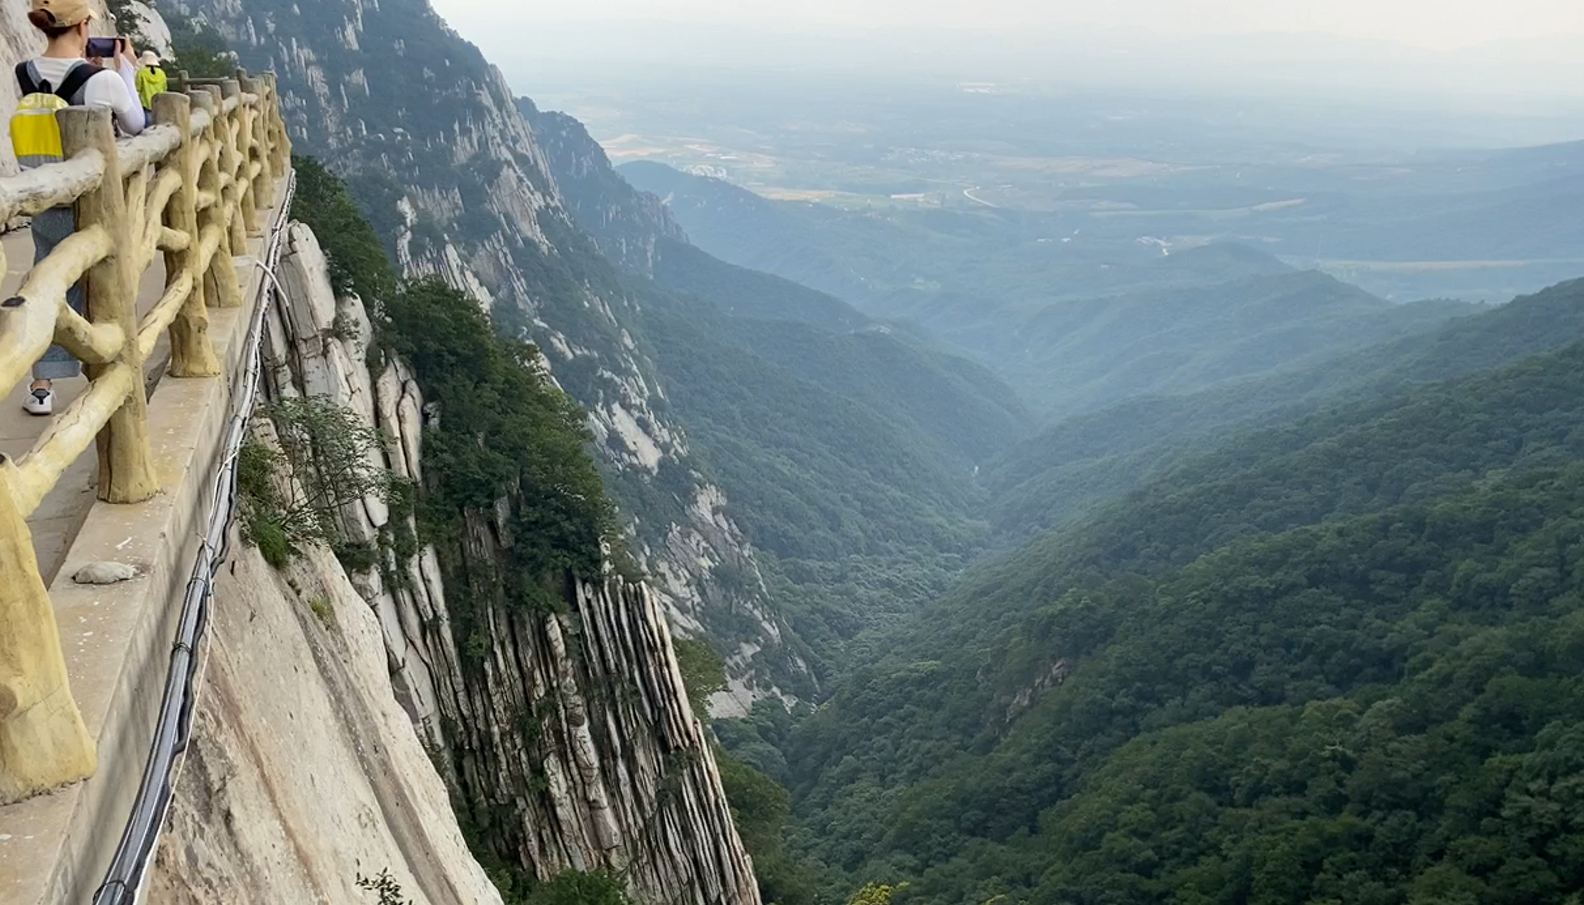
1099 385
1115 456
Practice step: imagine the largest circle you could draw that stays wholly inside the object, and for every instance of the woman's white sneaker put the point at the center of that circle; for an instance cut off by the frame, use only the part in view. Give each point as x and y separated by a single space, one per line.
40 402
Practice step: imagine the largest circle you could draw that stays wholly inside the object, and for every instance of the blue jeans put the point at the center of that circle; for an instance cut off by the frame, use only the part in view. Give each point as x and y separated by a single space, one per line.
50 229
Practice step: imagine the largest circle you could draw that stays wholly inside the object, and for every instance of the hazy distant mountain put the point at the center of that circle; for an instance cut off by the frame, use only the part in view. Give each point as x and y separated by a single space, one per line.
1548 70
1036 310
1076 356
1049 479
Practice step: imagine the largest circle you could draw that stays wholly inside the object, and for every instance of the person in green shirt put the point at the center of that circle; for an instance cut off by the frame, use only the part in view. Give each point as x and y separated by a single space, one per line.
151 80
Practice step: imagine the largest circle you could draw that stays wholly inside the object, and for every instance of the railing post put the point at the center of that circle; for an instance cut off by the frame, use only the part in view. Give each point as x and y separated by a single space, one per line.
280 143
234 162
192 354
221 286
43 742
245 116
126 466
263 187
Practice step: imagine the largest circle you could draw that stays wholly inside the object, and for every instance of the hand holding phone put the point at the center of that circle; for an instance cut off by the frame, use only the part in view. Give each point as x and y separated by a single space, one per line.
103 48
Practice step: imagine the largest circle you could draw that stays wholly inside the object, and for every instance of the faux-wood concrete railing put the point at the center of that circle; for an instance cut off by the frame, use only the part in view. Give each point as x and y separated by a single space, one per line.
191 187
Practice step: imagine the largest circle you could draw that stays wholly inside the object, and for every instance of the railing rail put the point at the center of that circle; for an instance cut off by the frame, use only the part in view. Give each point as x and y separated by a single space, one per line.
192 189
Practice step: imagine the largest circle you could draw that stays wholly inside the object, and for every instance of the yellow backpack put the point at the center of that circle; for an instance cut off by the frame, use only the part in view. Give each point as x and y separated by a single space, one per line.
35 134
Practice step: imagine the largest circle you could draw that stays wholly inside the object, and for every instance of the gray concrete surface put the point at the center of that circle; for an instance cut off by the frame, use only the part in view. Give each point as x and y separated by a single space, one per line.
116 638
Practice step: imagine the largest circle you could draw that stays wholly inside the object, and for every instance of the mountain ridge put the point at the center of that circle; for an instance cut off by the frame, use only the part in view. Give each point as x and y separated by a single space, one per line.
1026 284
1033 689
849 448
459 187
1077 462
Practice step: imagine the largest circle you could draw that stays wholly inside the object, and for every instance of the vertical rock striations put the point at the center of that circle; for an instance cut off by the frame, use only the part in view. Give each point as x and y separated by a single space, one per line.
566 735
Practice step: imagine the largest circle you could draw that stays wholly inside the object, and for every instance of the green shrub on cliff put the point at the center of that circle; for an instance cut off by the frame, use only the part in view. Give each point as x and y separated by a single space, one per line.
519 887
358 263
703 672
327 450
504 431
385 887
575 888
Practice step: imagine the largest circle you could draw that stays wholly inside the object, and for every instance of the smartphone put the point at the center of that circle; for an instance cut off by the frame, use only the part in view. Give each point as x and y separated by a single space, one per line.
104 48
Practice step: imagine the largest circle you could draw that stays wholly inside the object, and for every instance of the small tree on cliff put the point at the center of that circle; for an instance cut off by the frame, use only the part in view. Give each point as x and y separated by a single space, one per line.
384 886
330 454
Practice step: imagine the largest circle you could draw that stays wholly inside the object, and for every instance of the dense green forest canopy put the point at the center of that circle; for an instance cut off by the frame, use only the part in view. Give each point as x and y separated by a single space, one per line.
1180 697
1049 478
1382 710
1307 633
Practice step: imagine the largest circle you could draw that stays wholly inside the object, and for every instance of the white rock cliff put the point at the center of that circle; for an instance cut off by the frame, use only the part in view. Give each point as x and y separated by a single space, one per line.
461 187
570 741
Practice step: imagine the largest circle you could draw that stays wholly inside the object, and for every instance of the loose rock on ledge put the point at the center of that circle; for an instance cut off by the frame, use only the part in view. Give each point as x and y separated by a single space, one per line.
105 573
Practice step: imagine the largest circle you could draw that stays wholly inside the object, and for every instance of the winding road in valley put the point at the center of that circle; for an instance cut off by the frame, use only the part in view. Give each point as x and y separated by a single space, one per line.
969 194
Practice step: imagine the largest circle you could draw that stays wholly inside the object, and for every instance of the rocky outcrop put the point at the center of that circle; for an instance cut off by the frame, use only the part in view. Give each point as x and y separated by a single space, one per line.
460 185
149 27
627 225
1054 677
304 773
567 734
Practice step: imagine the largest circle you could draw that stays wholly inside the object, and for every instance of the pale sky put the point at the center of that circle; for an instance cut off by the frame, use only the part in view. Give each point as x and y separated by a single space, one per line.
1440 24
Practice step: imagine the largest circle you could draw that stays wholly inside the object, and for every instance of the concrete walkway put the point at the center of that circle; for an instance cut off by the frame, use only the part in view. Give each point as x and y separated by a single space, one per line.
60 517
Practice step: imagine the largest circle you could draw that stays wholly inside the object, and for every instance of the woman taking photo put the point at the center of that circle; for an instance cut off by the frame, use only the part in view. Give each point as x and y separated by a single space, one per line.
64 70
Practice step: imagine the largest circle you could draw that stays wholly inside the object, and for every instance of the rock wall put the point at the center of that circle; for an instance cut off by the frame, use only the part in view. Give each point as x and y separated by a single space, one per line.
568 735
459 184
304 773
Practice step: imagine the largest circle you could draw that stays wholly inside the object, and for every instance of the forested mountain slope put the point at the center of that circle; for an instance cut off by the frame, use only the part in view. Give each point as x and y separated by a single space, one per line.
1086 459
1073 323
1329 661
848 450
1080 355
1383 710
459 187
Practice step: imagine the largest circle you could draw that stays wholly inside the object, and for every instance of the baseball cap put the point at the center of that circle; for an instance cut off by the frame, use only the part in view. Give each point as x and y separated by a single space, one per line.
64 13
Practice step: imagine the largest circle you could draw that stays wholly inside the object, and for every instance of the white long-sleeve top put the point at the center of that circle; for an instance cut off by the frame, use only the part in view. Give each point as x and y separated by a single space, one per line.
114 88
